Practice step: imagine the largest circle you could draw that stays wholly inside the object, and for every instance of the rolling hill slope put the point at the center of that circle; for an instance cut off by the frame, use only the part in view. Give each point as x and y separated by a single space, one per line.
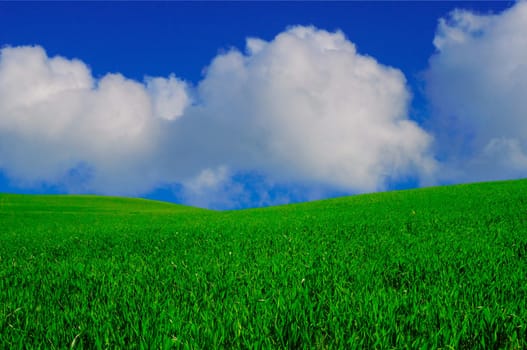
437 267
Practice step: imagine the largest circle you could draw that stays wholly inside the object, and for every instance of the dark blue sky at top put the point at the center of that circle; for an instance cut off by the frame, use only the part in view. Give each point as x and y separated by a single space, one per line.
158 38
140 39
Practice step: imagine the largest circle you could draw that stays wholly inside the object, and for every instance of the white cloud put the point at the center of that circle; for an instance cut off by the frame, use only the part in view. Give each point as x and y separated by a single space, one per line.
304 108
476 83
307 107
55 117
169 96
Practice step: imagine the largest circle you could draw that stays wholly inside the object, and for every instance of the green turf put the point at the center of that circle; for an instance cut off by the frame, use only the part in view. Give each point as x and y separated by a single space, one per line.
442 267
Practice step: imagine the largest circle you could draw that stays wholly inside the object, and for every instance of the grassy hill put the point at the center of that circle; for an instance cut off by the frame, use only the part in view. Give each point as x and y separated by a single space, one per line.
441 267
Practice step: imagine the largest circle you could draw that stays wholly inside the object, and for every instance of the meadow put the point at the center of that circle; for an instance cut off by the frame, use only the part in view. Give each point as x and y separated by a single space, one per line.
442 267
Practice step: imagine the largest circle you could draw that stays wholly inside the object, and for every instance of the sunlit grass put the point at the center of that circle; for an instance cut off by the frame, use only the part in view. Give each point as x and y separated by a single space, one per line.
433 268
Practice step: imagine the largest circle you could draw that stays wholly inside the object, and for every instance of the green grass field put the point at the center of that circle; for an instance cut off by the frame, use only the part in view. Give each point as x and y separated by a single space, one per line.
432 268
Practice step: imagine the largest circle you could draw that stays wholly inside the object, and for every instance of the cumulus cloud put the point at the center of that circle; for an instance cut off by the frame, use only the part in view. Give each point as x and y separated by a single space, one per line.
55 119
308 107
169 96
476 84
305 108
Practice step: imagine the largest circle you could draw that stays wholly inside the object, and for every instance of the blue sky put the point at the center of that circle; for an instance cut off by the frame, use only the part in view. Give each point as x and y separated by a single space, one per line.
169 100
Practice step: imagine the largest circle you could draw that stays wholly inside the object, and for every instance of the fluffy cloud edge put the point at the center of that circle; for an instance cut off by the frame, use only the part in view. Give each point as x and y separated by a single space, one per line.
475 83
